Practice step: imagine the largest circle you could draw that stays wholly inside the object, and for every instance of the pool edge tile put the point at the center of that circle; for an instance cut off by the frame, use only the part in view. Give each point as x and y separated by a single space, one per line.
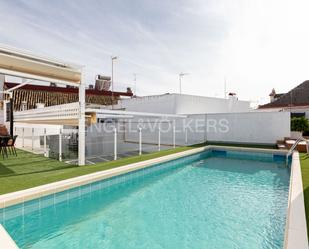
296 227
6 241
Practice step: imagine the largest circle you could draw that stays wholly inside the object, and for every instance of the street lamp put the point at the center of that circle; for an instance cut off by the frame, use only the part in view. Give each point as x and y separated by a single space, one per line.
135 83
113 59
180 77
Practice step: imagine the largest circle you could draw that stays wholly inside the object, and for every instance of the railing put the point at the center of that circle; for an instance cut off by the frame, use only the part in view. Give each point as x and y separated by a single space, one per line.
65 111
50 140
300 139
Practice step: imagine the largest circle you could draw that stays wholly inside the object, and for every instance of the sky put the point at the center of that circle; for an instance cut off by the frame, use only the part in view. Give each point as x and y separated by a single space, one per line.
252 45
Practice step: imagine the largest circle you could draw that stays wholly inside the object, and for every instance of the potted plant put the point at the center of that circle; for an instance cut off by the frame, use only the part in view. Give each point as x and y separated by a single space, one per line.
298 126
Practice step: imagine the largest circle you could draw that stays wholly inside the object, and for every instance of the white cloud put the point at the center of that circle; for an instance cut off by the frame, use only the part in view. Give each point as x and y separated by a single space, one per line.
257 45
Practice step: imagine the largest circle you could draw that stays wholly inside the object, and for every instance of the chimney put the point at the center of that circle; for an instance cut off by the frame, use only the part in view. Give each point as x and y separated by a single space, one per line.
39 105
233 96
129 90
272 95
24 105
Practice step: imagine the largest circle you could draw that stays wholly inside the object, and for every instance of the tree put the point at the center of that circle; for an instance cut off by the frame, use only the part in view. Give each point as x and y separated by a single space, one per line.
299 124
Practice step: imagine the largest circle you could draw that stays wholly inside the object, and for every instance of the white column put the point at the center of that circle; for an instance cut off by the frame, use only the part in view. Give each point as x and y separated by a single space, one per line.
174 134
159 137
186 135
32 138
206 130
81 123
45 151
23 137
140 140
60 145
115 143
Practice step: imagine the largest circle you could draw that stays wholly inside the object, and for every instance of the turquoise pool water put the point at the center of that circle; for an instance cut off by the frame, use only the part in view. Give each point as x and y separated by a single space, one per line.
211 200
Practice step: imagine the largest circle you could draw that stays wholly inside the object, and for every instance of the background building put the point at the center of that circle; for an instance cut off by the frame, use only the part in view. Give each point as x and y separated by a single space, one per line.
296 101
184 104
29 96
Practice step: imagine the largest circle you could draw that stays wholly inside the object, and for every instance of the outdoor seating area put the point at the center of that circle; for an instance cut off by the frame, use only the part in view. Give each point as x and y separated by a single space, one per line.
7 143
289 142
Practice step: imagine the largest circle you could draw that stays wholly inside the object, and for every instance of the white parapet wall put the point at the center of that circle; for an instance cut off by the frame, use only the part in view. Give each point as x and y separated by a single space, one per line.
245 127
250 127
183 104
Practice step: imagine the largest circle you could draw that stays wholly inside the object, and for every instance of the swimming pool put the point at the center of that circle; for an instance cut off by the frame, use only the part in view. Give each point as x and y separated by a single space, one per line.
214 199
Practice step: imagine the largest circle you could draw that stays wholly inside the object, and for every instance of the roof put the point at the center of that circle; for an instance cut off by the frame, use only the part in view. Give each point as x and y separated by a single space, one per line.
25 64
9 85
298 96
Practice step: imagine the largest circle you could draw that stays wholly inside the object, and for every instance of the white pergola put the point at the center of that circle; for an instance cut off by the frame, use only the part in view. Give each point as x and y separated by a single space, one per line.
23 64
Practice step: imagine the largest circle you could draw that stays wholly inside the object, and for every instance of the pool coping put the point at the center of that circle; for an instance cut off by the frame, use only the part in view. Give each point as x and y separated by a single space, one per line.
6 239
296 227
293 236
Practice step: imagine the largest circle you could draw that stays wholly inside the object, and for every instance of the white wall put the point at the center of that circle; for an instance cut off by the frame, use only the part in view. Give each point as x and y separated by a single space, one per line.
154 104
183 104
287 109
189 104
252 127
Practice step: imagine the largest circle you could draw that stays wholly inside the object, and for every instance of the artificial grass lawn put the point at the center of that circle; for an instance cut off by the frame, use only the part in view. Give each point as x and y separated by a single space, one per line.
29 170
304 163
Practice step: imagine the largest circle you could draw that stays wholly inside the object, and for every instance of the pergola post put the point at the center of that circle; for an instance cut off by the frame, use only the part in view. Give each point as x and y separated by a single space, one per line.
45 149
60 145
81 124
23 137
174 134
32 139
140 141
159 137
115 143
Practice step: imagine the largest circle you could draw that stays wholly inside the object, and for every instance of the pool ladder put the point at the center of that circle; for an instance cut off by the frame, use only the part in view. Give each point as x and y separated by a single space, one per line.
300 139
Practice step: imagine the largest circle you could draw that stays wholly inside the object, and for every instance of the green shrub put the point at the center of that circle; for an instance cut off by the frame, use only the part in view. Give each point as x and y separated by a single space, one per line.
299 124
